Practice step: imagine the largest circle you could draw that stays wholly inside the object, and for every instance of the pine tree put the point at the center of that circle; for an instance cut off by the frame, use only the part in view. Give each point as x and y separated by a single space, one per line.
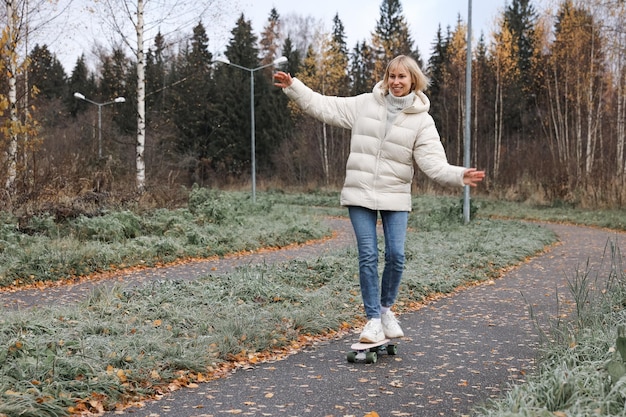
437 72
114 74
270 40
335 61
293 56
156 78
47 78
118 80
521 18
81 81
273 119
46 73
232 148
193 107
391 36
361 69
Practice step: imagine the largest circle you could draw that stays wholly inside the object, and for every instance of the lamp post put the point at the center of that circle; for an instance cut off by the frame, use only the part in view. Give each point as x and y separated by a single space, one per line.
468 112
277 61
100 105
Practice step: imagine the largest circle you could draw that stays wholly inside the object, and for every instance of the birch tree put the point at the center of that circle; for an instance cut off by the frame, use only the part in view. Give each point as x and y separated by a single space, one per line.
504 63
10 41
576 66
23 20
326 71
456 66
173 14
612 14
313 74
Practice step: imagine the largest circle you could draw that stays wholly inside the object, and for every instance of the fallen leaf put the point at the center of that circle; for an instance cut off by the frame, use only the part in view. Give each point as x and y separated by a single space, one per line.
121 375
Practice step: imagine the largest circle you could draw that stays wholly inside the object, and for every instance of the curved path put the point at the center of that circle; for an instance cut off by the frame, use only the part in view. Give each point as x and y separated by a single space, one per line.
70 293
458 352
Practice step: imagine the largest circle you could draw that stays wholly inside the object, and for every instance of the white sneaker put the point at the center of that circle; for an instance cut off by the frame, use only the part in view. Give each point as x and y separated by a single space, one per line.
372 332
391 327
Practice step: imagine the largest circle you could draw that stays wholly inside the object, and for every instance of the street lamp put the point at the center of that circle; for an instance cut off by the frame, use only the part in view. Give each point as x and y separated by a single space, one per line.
468 112
100 105
277 61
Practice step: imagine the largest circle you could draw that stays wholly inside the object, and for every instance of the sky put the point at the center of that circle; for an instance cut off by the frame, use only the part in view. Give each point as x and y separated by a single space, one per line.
359 18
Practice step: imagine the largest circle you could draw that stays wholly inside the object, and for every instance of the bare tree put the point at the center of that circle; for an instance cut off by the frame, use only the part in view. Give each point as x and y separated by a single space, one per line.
11 34
504 54
611 14
303 31
23 18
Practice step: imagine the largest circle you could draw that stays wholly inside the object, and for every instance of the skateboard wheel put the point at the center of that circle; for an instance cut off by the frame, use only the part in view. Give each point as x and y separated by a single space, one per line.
371 357
351 357
392 349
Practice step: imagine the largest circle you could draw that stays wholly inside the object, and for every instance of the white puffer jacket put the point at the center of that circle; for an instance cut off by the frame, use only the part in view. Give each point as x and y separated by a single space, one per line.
379 169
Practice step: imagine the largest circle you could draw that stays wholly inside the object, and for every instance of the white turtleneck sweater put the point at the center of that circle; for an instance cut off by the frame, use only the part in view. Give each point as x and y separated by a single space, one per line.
395 105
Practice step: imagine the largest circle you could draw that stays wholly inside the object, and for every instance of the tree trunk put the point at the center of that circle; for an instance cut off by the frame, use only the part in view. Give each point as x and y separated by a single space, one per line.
498 114
578 128
558 117
620 117
621 123
11 59
460 125
141 101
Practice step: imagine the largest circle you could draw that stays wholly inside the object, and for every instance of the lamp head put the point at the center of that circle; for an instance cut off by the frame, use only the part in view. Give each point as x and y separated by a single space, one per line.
280 60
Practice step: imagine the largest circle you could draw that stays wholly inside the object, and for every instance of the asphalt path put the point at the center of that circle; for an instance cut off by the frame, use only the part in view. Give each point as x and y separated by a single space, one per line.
459 350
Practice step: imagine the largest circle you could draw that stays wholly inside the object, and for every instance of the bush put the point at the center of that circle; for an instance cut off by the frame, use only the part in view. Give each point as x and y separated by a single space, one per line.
111 227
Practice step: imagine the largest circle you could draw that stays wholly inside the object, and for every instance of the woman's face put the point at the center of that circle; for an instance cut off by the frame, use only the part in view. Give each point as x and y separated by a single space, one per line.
399 81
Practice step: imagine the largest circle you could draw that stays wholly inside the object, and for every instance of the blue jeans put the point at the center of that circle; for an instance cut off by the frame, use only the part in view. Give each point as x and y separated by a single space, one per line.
394 229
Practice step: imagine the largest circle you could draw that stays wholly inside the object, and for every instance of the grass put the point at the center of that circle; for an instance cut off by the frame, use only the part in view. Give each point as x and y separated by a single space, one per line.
582 369
123 344
557 213
214 224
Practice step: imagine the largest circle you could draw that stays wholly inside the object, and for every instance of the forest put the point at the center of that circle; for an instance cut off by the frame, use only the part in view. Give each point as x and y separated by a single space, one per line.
547 117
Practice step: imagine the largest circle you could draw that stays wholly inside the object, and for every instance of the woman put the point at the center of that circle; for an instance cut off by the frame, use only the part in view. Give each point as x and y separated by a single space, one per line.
391 128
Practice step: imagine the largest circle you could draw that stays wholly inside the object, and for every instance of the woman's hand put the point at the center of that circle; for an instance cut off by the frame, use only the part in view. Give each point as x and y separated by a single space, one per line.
283 80
472 177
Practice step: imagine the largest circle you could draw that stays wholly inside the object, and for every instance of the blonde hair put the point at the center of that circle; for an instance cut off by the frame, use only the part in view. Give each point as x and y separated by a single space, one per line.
419 81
